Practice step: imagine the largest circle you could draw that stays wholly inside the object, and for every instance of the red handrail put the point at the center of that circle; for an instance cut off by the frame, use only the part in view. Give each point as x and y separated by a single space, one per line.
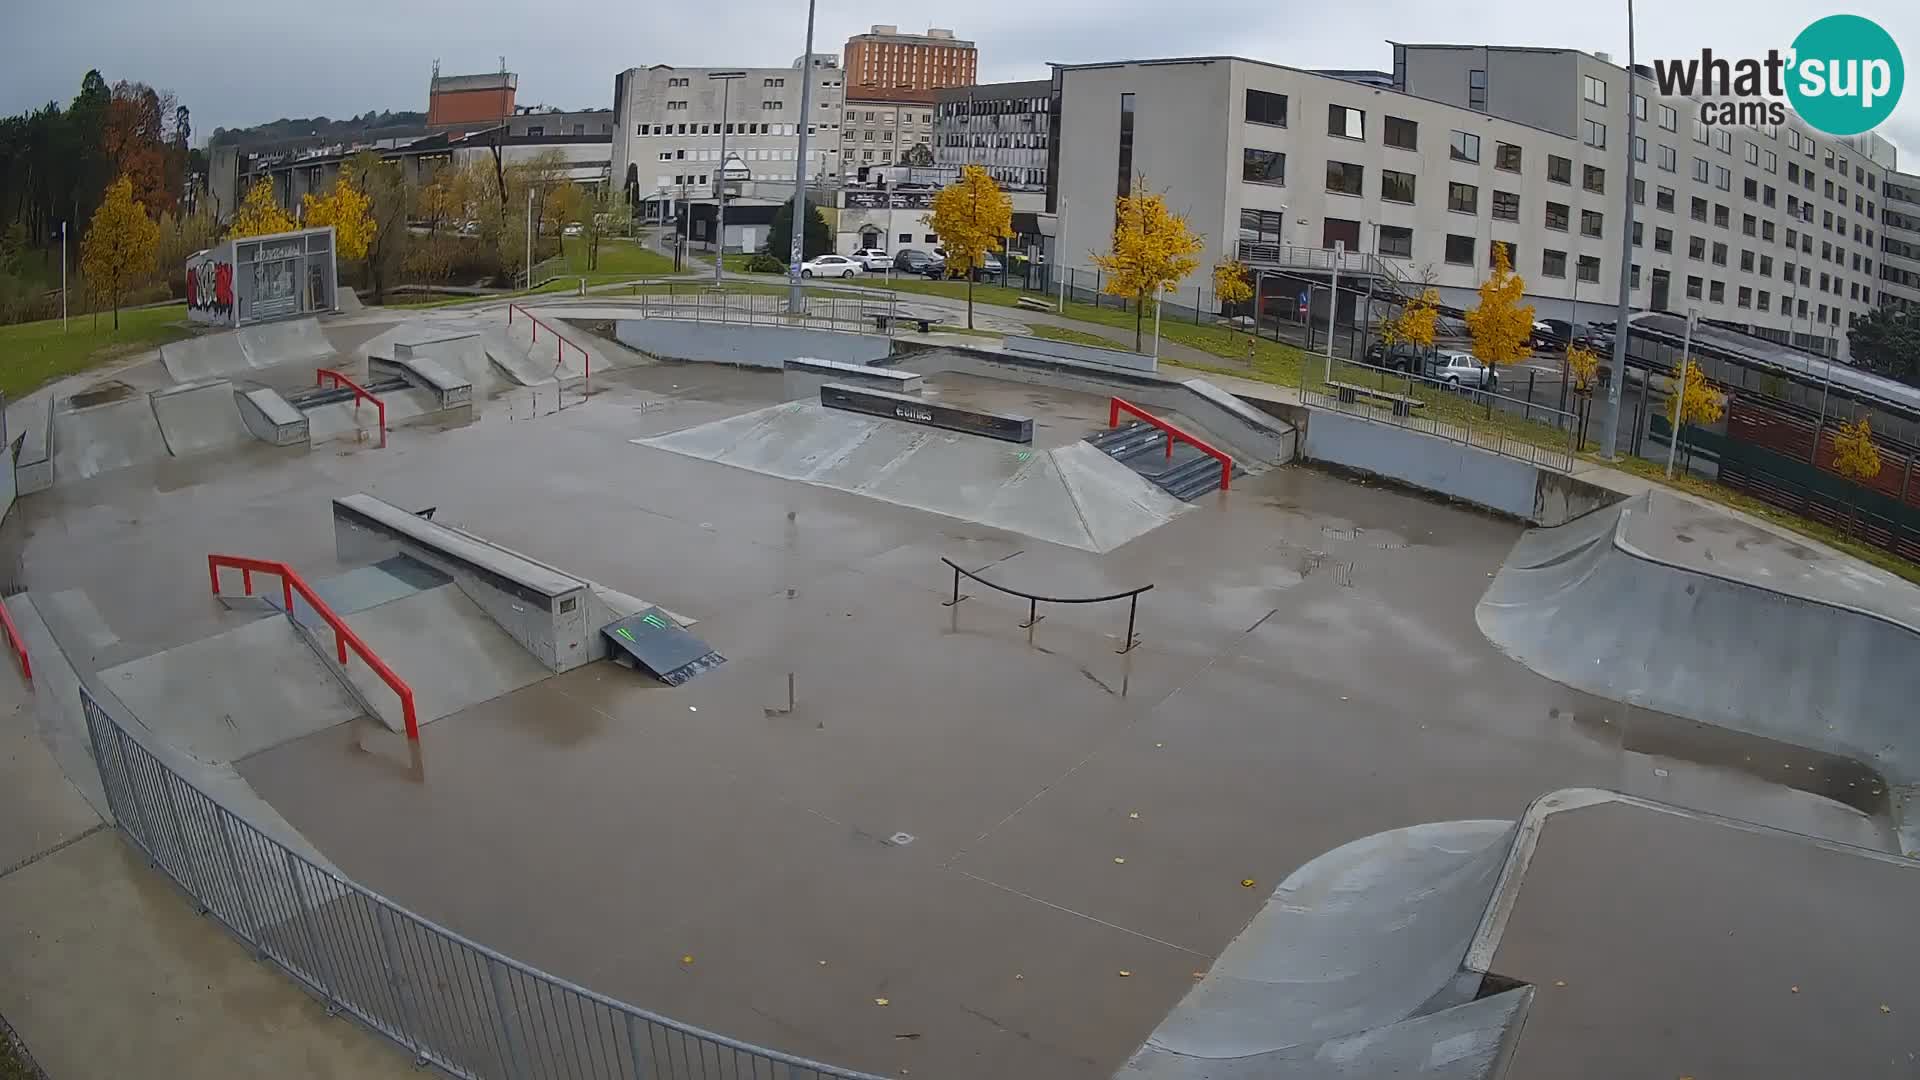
320 377
561 342
19 643
1116 406
343 635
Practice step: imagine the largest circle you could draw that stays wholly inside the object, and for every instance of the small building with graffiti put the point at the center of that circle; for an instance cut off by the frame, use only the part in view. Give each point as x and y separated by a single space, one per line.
252 279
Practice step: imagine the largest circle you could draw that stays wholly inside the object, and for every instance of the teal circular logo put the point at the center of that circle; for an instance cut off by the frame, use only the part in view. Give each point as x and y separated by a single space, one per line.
1846 75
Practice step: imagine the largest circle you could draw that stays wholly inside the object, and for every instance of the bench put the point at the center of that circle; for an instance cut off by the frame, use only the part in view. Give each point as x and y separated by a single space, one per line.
1351 392
1034 303
880 322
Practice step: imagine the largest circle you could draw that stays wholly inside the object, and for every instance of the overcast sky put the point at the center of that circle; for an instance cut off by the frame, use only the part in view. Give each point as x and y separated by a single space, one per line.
235 64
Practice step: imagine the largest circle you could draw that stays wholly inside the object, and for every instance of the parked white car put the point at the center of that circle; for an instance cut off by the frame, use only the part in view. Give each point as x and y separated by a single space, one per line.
830 266
872 260
1462 370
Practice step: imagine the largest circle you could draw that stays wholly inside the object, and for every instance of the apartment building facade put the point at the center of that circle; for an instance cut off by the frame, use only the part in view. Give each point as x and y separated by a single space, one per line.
1775 231
1900 240
885 59
1005 127
880 127
668 123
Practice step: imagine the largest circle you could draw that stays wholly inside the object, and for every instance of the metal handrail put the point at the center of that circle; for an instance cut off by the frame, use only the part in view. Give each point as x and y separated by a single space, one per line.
19 643
320 377
343 635
1116 406
1132 596
560 343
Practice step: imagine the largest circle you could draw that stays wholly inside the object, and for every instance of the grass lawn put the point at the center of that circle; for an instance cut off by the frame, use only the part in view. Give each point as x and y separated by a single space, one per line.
33 354
619 258
1077 337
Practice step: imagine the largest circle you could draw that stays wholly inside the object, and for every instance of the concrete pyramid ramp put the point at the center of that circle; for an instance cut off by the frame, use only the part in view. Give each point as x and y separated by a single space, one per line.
200 416
206 356
227 353
89 439
449 651
1358 940
462 355
1618 604
224 697
1073 495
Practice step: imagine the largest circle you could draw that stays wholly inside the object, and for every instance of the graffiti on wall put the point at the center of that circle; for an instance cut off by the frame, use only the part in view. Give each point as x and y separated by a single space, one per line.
210 288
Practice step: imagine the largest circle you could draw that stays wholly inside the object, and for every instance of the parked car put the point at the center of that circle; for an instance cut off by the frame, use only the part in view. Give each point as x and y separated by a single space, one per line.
1559 333
911 261
573 229
935 268
872 259
830 266
1400 357
1462 370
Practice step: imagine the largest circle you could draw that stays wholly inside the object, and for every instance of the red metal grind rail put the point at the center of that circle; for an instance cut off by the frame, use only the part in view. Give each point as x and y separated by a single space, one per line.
343 635
320 377
560 341
19 643
1116 406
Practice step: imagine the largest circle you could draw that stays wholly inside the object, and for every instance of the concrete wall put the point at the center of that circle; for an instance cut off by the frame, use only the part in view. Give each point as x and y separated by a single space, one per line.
1090 354
751 346
1423 461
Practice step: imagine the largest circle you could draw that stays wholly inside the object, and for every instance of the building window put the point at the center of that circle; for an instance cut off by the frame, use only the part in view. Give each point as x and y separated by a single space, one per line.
1263 166
1512 250
1559 169
1397 241
1697 248
1553 264
1772 163
1126 147
1669 159
1593 133
1721 215
1766 266
1506 206
1594 179
1699 131
1396 186
1663 239
1633 272
1265 108
1663 199
1346 123
1463 198
1767 196
1460 249
1744 298
1765 301
1695 284
1506 156
1639 192
1637 234
1589 268
1751 153
1477 90
1749 225
1717 292
1557 216
1749 188
1593 90
1669 120
1402 133
1723 140
1719 254
1344 177
1590 222
1639 148
1722 179
1463 147
1702 171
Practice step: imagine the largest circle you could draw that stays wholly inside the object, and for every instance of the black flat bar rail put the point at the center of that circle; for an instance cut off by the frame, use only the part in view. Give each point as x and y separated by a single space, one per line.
1034 600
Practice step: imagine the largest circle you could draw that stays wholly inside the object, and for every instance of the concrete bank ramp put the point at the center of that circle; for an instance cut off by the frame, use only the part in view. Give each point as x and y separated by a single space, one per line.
1072 495
200 416
509 359
1350 969
227 353
450 652
89 438
1688 610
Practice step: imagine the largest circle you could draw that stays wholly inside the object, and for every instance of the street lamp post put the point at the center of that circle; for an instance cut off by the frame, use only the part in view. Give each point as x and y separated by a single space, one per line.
725 79
63 277
1680 392
1610 430
796 302
529 239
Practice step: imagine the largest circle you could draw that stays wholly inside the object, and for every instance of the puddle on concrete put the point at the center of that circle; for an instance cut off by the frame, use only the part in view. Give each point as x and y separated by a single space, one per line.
101 393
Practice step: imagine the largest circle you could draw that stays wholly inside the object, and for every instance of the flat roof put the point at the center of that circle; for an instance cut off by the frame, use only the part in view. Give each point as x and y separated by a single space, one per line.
1760 351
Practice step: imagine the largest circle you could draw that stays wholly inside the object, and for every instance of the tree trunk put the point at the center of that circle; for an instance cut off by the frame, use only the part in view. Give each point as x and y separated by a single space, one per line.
969 301
1139 314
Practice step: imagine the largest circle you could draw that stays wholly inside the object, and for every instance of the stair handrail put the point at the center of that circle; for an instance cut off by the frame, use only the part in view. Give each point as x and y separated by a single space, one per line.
343 636
561 341
320 377
1116 406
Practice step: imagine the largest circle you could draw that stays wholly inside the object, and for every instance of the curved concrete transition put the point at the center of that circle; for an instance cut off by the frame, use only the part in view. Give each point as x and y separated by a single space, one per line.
1350 969
1663 603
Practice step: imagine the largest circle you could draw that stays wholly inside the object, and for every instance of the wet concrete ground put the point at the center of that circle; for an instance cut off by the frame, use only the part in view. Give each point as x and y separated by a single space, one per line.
1311 673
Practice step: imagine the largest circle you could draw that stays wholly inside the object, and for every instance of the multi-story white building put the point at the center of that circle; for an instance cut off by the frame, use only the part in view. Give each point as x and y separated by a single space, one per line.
881 127
668 125
1005 127
1773 230
1900 240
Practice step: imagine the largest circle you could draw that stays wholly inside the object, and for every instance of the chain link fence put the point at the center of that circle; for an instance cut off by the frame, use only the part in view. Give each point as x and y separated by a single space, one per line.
450 1001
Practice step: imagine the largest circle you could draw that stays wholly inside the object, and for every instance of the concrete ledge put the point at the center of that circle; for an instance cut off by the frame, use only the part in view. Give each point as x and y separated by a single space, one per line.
270 417
746 345
1086 354
452 391
994 425
881 377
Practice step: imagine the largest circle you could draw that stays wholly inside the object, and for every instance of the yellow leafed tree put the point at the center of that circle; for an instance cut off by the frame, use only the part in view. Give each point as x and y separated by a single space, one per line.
1153 250
971 215
1855 457
121 245
259 214
1693 401
1232 284
1417 322
1500 324
1583 367
349 210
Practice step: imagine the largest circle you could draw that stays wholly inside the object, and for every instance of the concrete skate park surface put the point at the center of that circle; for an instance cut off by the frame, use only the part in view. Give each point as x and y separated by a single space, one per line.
1026 843
1663 603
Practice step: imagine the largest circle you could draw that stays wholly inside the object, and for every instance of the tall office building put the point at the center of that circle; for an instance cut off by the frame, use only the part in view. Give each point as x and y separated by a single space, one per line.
886 59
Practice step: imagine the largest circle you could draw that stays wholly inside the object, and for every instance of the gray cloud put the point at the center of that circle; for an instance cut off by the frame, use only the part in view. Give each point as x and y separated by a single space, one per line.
236 64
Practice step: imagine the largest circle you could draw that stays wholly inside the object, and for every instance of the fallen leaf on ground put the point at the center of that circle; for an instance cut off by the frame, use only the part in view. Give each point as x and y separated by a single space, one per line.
1117 859
1124 973
907 1035
1559 982
1246 883
882 1002
687 959
1796 989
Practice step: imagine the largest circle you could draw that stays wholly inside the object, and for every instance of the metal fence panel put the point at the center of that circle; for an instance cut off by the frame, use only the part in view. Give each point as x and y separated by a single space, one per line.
449 1001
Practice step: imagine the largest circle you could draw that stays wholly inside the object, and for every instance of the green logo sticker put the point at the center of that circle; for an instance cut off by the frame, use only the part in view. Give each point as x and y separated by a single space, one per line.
1845 74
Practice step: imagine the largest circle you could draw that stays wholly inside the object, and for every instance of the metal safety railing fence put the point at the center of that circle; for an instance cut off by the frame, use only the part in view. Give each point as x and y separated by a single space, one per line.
448 1000
878 313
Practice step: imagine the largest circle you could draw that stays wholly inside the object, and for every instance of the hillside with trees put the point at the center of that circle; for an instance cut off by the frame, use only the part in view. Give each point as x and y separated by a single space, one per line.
319 130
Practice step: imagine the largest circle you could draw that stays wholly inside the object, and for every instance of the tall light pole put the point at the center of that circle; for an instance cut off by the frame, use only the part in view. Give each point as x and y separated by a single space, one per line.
529 239
1610 430
797 303
720 246
1680 391
63 277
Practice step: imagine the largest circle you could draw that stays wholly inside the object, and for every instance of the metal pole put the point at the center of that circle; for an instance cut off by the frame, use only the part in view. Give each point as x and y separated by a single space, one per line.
720 248
1820 424
63 277
529 239
1156 324
1333 302
1680 391
1611 429
795 301
1059 249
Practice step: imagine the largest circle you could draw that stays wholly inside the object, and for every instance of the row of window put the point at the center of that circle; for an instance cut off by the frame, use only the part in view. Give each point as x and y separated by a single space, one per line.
714 129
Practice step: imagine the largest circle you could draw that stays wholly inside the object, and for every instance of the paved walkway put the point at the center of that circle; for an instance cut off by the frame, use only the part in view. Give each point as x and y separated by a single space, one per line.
105 969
